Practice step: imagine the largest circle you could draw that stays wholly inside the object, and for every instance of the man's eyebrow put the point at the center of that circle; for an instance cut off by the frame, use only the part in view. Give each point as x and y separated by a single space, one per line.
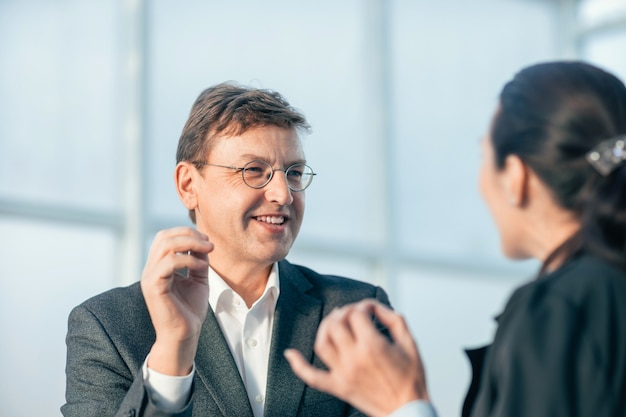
251 157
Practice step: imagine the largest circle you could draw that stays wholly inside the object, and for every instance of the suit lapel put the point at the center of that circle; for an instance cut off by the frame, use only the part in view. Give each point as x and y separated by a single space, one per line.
296 320
216 368
477 359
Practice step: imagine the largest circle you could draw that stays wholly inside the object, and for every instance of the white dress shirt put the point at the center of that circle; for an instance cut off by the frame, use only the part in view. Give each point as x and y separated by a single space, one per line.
417 408
248 332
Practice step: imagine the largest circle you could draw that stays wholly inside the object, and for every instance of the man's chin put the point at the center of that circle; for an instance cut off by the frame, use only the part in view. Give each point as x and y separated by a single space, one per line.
279 253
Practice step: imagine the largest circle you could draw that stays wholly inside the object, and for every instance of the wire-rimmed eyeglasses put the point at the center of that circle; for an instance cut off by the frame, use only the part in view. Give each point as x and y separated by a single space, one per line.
257 174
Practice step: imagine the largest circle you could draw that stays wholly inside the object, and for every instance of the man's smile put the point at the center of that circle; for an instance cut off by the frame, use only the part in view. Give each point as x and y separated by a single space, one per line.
278 220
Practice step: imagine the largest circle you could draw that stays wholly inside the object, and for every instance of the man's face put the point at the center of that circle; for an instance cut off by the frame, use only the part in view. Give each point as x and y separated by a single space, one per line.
247 225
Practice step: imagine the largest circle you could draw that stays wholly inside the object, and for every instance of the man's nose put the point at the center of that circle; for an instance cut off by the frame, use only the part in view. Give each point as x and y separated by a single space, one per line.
278 188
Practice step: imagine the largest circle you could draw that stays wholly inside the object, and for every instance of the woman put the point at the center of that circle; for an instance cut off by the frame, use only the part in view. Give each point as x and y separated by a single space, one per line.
554 179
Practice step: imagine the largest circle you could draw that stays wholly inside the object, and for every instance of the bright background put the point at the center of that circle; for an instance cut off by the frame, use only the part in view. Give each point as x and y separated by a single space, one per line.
94 93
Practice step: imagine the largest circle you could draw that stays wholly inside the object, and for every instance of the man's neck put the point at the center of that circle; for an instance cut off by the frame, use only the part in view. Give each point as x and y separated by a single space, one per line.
249 283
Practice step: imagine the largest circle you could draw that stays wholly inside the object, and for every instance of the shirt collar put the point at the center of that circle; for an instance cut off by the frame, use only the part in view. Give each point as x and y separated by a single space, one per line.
218 287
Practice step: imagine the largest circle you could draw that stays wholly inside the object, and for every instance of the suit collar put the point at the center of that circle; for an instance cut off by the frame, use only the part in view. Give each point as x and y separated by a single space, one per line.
477 359
217 370
296 320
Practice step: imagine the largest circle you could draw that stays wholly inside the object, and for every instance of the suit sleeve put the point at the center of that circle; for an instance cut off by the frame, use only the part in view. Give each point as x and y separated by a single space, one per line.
99 381
382 297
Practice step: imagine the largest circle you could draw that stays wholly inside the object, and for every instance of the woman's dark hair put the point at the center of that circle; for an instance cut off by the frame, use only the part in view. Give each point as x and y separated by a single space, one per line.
551 115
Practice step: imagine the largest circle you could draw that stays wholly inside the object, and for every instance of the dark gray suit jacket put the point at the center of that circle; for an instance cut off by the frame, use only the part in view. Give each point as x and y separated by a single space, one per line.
110 335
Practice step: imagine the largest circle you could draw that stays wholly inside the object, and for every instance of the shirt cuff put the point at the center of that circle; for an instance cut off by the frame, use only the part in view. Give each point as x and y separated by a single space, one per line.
169 393
417 408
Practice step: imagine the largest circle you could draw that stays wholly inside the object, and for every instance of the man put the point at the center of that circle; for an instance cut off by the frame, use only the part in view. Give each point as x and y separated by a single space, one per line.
203 332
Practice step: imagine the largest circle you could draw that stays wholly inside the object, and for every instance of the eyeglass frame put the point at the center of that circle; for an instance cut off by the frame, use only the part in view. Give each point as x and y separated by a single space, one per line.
242 170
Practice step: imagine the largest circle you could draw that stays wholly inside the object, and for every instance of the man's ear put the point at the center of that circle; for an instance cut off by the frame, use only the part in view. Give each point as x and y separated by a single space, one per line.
515 180
186 177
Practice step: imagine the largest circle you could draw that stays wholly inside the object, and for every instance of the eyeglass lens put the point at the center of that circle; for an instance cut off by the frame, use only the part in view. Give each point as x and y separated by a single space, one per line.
257 174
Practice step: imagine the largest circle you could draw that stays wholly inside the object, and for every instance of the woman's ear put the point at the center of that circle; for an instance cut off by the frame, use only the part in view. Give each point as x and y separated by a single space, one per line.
186 177
515 180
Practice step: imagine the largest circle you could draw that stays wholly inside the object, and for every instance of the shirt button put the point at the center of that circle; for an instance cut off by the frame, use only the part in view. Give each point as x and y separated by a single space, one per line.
258 398
237 302
252 342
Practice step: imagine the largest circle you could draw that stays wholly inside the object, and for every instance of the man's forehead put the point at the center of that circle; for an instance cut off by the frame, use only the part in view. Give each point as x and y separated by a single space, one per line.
263 142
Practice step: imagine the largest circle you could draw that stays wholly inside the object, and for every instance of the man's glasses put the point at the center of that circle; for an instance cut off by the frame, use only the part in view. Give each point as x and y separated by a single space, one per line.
257 174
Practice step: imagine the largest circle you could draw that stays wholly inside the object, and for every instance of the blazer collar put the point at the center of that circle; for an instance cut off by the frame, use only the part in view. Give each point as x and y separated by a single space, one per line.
218 372
296 320
477 359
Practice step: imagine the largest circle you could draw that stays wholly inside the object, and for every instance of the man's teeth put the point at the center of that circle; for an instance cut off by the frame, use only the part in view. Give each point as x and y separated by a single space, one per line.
271 219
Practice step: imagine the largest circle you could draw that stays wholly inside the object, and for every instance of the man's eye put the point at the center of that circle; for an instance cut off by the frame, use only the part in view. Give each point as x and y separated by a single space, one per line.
295 172
254 170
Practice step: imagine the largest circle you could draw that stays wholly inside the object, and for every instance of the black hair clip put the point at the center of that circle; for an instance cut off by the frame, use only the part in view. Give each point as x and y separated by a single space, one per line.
608 155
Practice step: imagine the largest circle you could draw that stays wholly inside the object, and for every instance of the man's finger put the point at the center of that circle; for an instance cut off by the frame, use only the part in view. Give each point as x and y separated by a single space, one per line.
363 327
397 326
313 377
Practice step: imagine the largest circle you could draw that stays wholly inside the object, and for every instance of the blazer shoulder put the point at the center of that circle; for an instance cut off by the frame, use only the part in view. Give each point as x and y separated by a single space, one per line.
328 279
333 286
579 282
110 299
116 306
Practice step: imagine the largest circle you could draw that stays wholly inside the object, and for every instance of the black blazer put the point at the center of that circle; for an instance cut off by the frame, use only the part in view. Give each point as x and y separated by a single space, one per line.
559 350
110 335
